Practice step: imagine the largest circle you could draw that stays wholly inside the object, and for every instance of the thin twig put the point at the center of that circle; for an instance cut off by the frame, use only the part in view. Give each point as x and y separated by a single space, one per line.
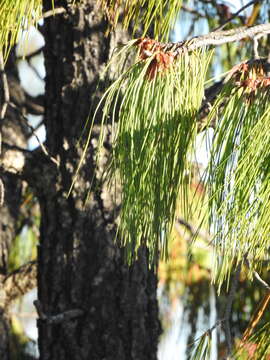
32 54
2 193
56 11
268 65
29 57
34 105
208 331
35 71
192 11
228 309
5 88
237 13
15 148
42 146
256 317
258 277
194 232
261 281
2 116
36 128
49 13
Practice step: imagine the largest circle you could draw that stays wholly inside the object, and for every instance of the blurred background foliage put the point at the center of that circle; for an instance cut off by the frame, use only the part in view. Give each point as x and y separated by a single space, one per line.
24 247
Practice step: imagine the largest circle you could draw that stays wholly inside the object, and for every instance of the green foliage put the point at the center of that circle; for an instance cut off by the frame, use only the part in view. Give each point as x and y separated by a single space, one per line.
239 177
257 347
16 16
156 126
202 348
23 249
144 14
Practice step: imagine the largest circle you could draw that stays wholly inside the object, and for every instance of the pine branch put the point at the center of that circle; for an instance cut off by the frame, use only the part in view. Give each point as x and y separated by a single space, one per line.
34 105
214 90
214 38
256 317
253 2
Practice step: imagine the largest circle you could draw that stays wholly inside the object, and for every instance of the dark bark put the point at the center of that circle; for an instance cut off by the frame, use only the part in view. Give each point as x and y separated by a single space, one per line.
80 268
13 132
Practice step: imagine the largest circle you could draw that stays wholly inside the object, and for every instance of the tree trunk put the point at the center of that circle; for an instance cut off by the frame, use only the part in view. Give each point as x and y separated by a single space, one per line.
109 311
13 132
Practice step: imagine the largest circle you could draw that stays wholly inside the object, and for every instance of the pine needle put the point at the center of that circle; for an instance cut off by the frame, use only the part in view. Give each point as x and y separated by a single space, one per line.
155 122
160 14
239 174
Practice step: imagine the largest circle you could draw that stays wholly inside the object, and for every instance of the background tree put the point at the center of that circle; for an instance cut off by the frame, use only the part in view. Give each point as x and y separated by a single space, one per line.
90 302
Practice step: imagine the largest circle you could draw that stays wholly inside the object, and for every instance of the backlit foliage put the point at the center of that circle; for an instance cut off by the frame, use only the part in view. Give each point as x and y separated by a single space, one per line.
16 16
142 14
156 126
239 170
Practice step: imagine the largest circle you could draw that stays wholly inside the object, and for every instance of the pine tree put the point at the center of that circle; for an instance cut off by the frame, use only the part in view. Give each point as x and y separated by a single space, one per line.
123 107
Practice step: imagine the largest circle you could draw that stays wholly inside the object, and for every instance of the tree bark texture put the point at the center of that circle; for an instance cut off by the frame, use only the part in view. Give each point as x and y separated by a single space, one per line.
13 132
80 268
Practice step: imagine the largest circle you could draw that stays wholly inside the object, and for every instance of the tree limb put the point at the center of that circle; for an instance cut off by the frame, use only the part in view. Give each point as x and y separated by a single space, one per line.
213 91
192 11
214 38
253 2
20 281
31 55
34 105
15 148
258 277
33 132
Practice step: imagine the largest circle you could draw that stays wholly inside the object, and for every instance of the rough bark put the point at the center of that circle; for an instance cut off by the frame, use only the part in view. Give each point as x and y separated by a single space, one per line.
80 268
13 132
